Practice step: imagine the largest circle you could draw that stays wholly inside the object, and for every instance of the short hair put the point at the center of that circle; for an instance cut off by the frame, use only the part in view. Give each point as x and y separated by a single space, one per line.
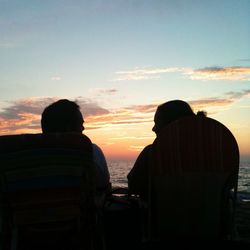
174 110
60 116
171 111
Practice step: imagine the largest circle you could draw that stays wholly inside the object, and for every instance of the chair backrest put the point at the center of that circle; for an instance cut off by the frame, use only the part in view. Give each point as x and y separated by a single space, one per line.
46 180
193 171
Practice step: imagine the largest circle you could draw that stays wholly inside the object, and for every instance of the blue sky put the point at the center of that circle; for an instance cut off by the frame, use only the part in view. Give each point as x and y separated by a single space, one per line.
114 55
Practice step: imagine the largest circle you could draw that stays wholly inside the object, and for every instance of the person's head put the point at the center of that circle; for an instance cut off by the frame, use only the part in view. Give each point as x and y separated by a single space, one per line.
169 112
62 116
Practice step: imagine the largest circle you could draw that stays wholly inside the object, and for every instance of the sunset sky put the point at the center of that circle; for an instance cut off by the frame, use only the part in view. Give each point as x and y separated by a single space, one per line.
119 59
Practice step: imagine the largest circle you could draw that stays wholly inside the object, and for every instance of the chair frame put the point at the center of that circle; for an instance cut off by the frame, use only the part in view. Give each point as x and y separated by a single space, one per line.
47 181
210 161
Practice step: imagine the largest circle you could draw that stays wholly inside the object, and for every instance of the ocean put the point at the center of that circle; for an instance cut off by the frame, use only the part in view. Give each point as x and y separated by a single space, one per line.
120 169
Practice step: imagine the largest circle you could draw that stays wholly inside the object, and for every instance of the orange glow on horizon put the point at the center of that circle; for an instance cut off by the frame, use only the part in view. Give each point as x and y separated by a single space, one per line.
125 132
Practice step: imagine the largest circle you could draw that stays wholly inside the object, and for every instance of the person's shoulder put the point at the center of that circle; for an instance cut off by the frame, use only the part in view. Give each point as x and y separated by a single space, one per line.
96 147
97 151
145 152
147 148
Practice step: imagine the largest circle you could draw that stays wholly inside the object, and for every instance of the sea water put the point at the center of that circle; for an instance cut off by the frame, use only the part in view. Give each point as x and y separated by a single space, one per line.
244 177
120 169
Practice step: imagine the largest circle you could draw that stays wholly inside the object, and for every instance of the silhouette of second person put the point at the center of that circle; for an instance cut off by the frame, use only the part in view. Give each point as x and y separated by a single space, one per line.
166 113
65 116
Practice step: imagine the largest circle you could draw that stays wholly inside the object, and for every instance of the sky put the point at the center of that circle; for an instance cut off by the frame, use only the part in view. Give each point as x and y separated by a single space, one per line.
120 59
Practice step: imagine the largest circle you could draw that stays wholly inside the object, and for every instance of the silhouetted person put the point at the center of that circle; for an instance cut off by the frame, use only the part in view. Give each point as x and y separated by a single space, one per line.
65 116
166 113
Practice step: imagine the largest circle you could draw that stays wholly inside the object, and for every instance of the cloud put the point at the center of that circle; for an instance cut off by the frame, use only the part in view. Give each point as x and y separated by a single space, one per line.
55 78
244 60
132 138
102 91
238 94
90 108
124 116
218 102
146 108
136 148
34 106
108 91
236 73
144 74
129 115
25 114
215 102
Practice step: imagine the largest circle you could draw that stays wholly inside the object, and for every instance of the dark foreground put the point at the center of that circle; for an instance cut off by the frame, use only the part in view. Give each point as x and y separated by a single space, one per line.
243 220
123 233
122 238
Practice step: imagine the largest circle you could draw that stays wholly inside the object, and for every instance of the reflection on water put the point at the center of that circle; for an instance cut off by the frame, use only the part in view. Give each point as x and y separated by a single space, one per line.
120 169
244 177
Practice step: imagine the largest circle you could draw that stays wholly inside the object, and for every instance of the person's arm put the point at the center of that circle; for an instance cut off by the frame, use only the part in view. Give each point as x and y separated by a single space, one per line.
102 172
138 176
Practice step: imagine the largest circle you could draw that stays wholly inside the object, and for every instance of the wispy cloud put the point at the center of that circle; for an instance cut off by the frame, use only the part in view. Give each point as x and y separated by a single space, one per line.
55 78
91 108
144 73
236 73
226 100
244 60
148 108
208 103
120 117
103 91
135 148
218 73
238 94
24 115
34 106
132 138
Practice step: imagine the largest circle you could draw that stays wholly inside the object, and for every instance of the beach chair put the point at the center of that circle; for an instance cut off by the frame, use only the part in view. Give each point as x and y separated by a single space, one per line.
193 182
47 192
